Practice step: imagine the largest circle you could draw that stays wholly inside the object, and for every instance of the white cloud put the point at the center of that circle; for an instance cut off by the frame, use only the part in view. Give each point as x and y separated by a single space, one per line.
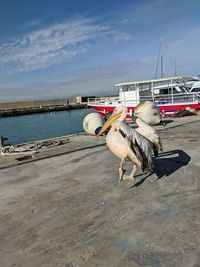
54 44
99 80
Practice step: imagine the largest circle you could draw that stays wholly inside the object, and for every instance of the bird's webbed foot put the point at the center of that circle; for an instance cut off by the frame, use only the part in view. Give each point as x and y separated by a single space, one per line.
128 178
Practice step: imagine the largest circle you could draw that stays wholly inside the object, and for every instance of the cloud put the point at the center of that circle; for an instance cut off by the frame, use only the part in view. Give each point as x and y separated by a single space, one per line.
55 44
94 74
99 80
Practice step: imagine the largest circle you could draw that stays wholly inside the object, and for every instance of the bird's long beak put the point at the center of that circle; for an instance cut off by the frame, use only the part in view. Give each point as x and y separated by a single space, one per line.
112 119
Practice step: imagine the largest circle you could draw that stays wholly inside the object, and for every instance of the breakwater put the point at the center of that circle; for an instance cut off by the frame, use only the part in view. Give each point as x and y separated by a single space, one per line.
23 108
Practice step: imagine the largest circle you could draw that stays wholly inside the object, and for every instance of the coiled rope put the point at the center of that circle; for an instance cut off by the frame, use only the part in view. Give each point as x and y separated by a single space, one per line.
30 149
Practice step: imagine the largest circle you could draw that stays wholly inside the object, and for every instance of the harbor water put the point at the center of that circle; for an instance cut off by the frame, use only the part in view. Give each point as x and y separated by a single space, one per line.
27 128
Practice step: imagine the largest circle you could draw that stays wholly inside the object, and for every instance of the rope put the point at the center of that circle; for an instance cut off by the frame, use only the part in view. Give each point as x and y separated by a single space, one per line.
31 149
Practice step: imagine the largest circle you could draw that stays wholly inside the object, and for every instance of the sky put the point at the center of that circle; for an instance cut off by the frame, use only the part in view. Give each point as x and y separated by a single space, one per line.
65 48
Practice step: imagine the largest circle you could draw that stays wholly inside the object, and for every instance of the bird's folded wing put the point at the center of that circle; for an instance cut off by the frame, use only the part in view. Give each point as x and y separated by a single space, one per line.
149 132
140 145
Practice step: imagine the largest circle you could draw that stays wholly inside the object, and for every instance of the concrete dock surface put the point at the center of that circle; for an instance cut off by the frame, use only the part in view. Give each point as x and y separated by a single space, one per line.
66 208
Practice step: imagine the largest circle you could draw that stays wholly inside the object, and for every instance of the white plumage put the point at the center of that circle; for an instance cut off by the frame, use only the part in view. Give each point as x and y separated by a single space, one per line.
150 133
139 144
127 144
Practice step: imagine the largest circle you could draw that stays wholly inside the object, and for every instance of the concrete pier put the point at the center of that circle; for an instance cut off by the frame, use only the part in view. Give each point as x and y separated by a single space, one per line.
65 207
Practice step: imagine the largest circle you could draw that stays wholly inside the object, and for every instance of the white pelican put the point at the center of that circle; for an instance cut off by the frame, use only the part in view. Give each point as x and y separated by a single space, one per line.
127 144
150 133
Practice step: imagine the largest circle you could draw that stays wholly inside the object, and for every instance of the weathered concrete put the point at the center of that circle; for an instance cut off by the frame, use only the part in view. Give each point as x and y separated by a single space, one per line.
77 142
82 141
70 210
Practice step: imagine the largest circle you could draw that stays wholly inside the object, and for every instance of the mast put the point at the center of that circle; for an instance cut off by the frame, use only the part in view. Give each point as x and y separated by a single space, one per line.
175 69
161 58
160 61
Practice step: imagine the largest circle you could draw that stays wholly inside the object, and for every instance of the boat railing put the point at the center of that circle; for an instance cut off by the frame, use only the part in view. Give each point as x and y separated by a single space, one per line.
112 101
129 102
171 98
103 100
158 99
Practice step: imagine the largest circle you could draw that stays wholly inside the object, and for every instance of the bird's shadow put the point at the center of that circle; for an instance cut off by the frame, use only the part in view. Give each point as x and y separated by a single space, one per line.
166 164
164 122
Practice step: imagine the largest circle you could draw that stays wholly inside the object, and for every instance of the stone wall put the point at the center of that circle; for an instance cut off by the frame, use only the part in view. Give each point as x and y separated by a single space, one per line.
33 104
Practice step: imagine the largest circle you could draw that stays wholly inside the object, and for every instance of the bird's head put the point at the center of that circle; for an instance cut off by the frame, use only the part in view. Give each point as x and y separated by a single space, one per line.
119 113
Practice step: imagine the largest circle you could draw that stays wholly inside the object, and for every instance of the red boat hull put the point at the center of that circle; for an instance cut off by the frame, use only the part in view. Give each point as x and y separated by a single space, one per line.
166 110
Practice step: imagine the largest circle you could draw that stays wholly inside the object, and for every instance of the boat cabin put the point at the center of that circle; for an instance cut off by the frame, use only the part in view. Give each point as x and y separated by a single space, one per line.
158 90
169 94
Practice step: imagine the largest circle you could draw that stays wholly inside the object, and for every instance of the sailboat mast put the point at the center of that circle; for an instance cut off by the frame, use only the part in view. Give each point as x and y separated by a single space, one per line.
161 59
175 69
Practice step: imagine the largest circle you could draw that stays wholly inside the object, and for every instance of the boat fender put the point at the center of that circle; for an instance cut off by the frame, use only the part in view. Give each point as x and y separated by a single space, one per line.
148 112
92 123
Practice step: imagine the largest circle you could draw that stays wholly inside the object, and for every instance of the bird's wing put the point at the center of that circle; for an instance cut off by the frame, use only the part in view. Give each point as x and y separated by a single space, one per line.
150 133
139 144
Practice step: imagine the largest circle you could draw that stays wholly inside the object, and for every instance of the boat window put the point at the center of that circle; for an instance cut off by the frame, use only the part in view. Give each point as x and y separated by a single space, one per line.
195 90
131 88
124 88
144 87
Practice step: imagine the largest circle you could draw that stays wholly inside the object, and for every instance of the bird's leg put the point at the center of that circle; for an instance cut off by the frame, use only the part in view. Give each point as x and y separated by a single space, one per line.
131 176
133 171
121 170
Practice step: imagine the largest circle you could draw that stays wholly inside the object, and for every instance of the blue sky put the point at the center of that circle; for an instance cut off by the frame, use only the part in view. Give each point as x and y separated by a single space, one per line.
52 49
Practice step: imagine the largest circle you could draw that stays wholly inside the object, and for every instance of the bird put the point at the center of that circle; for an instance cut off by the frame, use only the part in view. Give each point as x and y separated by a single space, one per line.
127 144
150 133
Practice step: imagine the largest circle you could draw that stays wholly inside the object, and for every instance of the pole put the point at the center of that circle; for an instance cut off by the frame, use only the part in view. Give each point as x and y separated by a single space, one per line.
61 97
1 141
161 59
175 69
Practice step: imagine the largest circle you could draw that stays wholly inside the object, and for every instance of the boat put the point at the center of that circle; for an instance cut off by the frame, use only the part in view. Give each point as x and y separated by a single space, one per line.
196 88
170 95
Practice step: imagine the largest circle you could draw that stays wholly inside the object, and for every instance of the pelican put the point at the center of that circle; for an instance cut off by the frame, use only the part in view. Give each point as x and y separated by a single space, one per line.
150 133
127 144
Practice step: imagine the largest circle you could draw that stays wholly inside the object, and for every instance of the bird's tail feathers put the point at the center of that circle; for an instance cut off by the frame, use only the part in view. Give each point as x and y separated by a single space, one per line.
146 149
140 145
145 159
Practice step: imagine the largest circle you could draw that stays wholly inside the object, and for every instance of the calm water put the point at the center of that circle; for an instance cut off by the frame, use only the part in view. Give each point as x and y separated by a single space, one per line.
27 128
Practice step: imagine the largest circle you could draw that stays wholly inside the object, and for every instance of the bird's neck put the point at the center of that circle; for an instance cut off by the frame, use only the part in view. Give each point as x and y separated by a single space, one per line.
112 130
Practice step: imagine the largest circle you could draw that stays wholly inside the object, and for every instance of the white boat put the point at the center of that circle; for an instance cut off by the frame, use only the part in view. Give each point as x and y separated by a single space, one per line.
169 94
195 88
